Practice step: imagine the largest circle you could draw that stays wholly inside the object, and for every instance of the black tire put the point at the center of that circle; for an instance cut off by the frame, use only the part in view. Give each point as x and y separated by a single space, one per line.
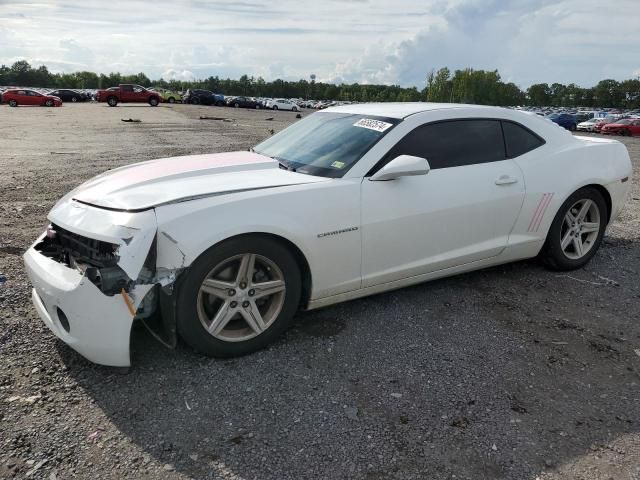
295 109
48 103
13 103
258 107
171 100
112 101
275 107
74 99
195 101
552 253
236 105
153 101
625 132
189 326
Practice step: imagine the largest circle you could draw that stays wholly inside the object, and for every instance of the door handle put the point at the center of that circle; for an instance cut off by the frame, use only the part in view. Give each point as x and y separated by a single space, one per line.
506 180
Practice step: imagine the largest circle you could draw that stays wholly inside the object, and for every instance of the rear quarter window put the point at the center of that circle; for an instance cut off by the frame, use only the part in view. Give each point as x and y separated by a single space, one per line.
519 140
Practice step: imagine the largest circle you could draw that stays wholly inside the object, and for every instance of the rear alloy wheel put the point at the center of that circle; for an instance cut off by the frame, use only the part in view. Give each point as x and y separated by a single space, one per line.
577 230
112 101
238 297
153 101
48 103
13 103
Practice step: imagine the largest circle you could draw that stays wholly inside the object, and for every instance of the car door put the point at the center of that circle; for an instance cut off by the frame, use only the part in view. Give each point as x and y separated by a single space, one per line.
635 127
462 211
126 93
33 98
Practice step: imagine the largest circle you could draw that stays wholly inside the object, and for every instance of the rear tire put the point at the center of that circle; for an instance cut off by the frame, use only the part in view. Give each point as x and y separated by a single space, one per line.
74 99
195 101
572 225
236 105
221 266
171 100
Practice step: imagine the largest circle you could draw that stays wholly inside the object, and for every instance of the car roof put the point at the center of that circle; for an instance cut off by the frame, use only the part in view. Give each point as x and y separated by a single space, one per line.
402 109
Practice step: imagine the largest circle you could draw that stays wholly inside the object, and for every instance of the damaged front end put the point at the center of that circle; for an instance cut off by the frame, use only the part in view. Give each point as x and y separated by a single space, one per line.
94 272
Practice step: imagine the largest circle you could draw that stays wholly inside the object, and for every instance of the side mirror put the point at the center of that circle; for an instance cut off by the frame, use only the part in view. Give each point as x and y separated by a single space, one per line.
402 166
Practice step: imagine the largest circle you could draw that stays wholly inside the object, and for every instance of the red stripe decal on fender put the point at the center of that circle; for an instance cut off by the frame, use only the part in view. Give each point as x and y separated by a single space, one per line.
537 211
544 210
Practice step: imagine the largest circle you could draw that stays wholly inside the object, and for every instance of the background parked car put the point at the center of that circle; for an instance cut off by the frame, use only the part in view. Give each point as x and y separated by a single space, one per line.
243 102
168 96
590 125
627 127
67 95
127 93
282 104
565 120
204 97
15 97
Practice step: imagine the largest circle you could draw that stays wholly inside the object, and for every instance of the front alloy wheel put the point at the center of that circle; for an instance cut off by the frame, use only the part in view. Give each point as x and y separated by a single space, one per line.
238 296
241 297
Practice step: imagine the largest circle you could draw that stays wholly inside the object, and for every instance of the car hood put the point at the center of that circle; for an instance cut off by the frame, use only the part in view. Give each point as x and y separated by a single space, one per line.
150 184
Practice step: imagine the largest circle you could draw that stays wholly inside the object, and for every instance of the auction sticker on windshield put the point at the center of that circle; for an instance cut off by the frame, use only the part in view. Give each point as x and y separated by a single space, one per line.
372 124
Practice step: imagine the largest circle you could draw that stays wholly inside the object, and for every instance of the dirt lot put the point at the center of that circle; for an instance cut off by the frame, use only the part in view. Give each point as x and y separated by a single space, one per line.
514 372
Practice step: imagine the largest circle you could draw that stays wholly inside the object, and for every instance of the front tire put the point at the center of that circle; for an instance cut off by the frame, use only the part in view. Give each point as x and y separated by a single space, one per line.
577 230
13 103
112 101
48 103
238 297
171 100
275 107
153 101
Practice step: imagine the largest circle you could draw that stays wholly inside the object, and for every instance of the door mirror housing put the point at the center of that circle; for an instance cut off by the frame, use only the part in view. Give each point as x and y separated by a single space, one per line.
401 166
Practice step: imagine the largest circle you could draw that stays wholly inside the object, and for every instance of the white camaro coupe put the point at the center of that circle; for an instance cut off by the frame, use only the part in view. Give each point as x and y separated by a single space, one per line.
223 249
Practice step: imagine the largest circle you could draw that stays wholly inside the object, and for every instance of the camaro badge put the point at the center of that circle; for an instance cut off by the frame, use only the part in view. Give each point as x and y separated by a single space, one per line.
337 232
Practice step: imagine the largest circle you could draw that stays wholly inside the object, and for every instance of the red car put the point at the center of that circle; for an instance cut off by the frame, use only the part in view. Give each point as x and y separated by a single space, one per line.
627 127
128 94
18 96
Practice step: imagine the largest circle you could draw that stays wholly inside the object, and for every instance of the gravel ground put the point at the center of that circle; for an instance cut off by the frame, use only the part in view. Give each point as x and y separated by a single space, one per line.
513 372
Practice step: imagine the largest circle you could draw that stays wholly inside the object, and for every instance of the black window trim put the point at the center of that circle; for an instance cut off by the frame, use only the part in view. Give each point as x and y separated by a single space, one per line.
383 161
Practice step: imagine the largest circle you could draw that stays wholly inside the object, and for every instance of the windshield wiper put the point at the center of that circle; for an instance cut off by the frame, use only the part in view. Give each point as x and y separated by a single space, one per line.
284 165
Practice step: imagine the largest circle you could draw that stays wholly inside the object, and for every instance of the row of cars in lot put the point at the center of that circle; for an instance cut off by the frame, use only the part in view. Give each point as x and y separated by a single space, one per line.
606 122
128 93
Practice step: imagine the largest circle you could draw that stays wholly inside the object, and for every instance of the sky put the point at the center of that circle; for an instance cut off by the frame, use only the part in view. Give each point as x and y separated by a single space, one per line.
365 41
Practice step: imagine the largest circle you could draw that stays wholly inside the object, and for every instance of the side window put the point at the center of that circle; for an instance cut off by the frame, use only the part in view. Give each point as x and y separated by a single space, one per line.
127 88
519 140
137 89
453 143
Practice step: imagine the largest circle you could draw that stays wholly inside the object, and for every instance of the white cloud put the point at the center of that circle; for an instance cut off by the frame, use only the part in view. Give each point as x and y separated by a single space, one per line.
366 41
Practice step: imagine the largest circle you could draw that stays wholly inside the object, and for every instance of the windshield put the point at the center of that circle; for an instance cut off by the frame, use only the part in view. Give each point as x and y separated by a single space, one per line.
326 144
553 115
623 122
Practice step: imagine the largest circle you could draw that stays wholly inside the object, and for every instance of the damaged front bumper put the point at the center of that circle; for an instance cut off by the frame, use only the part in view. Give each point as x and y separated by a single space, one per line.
94 272
95 325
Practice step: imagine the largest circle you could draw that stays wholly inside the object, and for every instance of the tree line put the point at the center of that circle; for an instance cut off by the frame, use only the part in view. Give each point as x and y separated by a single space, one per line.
484 87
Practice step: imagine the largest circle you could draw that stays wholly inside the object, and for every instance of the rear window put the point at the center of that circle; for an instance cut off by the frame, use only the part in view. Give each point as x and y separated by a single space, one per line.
519 140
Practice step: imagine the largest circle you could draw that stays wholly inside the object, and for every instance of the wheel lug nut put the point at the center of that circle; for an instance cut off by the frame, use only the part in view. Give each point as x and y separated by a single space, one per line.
234 304
252 292
245 304
231 292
